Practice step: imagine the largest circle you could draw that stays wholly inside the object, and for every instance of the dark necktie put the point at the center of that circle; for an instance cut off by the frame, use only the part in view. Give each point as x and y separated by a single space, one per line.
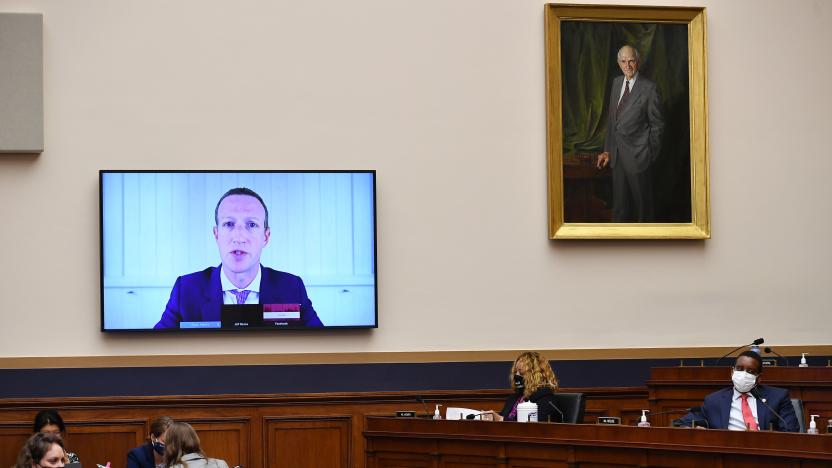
241 295
623 97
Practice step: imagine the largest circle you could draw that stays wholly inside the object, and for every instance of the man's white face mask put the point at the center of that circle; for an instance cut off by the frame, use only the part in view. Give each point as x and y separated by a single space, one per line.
743 381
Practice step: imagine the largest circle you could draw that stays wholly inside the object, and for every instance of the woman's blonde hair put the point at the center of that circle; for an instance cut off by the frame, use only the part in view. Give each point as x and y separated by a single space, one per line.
539 373
180 440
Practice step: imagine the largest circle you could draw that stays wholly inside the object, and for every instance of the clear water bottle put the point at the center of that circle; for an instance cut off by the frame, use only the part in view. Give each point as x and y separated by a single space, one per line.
755 348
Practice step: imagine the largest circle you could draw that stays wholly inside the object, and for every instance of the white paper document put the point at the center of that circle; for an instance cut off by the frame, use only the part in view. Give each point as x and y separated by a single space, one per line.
461 413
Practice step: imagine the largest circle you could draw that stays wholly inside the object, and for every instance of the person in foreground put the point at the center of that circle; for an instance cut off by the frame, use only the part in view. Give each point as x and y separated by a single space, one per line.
50 422
151 454
747 406
241 231
42 450
182 449
532 379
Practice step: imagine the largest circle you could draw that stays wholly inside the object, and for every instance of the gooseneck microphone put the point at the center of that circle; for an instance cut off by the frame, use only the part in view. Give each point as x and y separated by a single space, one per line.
424 405
771 351
756 342
562 417
756 393
695 410
700 410
682 410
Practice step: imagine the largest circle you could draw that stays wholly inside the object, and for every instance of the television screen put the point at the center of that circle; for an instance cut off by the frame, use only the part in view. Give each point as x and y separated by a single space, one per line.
237 250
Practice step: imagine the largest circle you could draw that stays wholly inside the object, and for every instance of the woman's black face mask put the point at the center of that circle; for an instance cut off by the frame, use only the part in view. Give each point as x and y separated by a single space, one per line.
519 384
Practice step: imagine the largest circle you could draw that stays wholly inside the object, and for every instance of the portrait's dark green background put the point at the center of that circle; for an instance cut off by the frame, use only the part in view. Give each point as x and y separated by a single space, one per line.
588 59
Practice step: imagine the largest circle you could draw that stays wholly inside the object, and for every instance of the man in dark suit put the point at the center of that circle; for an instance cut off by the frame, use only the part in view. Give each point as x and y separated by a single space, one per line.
152 453
747 405
241 231
633 142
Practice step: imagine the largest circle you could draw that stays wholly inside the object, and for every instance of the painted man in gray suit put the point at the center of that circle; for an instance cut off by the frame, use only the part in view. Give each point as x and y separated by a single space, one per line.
633 142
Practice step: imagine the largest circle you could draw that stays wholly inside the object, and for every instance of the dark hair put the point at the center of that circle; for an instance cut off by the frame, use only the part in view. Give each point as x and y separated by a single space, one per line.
246 192
159 425
36 448
47 417
181 439
756 357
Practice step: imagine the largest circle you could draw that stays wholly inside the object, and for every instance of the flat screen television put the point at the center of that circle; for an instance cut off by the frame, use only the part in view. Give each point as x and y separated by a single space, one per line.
191 251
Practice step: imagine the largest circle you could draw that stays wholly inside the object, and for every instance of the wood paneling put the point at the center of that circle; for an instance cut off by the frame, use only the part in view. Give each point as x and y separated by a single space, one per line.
13 435
311 430
308 442
259 431
227 438
106 440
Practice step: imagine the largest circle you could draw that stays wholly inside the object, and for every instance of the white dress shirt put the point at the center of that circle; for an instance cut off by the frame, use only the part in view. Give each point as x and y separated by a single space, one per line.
624 85
735 421
228 296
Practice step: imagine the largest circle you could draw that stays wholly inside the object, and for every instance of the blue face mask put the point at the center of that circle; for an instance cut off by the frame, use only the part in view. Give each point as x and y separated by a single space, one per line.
159 448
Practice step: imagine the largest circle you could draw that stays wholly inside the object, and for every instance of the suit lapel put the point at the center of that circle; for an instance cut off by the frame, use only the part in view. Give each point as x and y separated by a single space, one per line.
635 91
725 408
267 295
212 295
616 92
763 414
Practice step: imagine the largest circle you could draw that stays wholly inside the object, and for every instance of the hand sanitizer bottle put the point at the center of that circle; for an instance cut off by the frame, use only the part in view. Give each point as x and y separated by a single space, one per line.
803 362
813 426
756 349
436 414
644 422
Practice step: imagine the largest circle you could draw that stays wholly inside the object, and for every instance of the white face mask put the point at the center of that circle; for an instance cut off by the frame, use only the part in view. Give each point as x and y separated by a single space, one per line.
743 381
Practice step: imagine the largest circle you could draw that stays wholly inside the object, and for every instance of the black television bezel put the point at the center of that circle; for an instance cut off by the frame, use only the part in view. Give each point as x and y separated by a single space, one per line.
222 331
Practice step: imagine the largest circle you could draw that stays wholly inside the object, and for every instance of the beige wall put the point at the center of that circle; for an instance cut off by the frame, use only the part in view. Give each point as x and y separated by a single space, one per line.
446 100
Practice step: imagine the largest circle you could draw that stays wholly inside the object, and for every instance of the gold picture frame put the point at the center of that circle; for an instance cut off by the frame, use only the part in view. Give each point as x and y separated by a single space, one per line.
582 39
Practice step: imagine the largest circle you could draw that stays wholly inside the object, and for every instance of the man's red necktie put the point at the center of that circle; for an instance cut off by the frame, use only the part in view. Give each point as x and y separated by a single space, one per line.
747 416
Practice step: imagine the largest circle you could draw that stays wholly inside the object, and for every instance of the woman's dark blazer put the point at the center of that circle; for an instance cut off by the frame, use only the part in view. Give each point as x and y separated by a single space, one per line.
545 399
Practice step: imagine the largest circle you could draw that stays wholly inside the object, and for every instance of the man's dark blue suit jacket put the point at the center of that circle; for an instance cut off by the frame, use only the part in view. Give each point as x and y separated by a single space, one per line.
197 297
717 409
141 457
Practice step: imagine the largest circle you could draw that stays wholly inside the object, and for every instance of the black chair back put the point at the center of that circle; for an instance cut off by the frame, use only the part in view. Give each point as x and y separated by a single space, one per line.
572 405
797 404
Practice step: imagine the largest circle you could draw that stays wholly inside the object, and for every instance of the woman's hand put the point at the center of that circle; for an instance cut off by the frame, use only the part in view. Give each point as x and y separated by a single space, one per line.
491 416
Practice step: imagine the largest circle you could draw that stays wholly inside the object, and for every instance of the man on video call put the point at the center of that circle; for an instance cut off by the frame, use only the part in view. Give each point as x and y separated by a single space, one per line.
746 406
242 231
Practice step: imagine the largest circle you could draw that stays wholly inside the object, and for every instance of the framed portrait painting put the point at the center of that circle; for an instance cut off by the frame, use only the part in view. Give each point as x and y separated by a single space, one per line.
627 122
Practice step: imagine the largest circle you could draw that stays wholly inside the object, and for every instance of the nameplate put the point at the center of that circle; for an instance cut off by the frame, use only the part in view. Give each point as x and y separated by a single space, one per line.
286 315
200 324
405 414
613 420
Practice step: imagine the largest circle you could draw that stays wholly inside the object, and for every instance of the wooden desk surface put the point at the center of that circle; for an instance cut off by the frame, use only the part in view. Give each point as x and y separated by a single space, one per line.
418 442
